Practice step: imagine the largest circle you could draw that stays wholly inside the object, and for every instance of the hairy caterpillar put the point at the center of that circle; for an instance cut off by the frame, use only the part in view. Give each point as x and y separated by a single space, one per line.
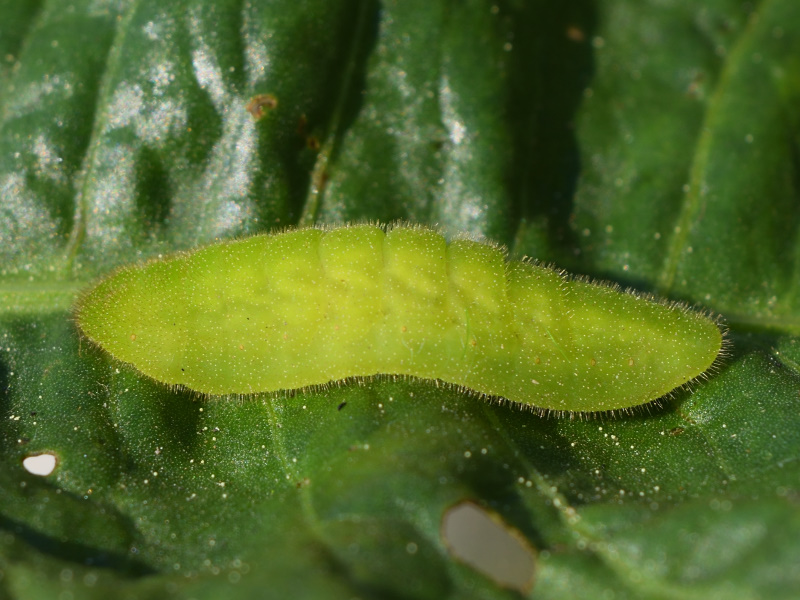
306 307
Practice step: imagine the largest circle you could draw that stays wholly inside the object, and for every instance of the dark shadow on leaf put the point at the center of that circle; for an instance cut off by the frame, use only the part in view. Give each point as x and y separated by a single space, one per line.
5 384
204 123
159 418
75 552
153 192
554 55
362 47
180 417
343 94
5 396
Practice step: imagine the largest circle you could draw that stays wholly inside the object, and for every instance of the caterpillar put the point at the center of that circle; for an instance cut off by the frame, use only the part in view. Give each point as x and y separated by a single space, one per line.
306 307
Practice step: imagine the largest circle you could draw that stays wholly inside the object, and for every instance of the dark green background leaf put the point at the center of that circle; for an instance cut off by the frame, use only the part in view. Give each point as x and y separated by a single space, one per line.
651 143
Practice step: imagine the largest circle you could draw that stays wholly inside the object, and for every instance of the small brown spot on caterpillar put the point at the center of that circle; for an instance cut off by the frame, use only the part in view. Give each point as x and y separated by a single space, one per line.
537 360
473 342
630 362
241 347
286 336
404 329
592 362
133 337
260 104
575 34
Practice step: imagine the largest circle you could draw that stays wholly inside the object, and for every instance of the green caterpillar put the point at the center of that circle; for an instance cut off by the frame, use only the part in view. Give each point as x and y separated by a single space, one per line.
307 307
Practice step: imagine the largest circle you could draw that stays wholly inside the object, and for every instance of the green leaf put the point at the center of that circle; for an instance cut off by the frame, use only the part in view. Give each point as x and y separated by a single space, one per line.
651 143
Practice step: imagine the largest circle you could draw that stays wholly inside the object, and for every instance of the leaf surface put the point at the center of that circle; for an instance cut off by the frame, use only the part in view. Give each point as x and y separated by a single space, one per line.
652 144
